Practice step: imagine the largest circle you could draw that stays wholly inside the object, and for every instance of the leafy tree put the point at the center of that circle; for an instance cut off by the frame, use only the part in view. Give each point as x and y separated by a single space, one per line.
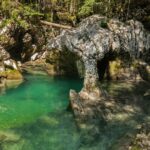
18 13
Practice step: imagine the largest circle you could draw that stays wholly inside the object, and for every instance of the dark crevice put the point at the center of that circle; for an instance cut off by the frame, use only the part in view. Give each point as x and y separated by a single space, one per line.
103 67
16 50
64 62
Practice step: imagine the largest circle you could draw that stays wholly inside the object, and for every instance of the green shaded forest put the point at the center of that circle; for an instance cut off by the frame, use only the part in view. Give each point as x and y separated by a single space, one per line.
72 11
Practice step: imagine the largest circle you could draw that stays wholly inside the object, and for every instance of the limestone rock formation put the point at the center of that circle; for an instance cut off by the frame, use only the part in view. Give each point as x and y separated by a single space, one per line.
9 68
92 40
17 46
96 36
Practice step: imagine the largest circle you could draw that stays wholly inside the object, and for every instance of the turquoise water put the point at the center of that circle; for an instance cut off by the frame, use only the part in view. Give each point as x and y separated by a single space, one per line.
34 116
37 96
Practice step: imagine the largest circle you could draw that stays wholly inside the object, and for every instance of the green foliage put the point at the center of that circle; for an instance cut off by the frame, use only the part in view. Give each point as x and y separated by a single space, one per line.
86 8
109 8
18 13
103 7
23 12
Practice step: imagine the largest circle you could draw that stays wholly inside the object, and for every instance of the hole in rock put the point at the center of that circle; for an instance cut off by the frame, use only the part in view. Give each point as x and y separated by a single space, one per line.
64 63
103 67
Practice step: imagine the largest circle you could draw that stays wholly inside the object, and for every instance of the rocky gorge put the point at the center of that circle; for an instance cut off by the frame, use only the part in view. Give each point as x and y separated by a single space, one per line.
97 48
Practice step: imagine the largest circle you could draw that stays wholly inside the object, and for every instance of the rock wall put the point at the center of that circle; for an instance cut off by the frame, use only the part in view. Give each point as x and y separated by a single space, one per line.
23 43
18 45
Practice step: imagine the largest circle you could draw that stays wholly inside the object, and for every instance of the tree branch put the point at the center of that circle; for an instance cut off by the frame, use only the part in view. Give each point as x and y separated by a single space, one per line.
55 25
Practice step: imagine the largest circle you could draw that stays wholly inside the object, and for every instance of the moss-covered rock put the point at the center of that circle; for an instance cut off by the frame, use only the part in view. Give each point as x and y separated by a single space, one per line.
11 75
119 70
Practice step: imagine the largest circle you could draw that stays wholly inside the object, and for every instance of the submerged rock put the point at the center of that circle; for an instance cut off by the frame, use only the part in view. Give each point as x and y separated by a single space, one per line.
48 121
8 136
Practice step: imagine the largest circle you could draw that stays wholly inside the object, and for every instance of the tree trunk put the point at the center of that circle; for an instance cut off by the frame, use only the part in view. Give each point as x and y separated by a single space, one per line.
73 7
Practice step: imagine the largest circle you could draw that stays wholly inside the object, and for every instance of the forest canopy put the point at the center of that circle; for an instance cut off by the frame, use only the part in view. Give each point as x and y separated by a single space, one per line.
71 11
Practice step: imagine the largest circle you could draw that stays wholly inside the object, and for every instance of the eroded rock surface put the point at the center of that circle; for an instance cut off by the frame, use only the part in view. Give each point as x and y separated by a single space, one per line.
9 69
95 37
17 46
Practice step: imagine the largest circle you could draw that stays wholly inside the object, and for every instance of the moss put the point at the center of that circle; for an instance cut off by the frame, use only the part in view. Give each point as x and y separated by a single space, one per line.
66 16
119 69
3 38
87 8
11 74
115 68
136 148
104 24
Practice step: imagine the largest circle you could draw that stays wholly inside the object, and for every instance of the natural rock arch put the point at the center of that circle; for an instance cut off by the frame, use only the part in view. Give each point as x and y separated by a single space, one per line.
92 40
97 36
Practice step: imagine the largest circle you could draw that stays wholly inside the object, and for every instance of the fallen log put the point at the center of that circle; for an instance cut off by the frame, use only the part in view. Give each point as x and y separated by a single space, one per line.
55 25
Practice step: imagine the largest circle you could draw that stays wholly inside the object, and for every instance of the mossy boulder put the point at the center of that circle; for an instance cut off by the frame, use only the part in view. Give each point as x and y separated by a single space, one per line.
8 136
11 75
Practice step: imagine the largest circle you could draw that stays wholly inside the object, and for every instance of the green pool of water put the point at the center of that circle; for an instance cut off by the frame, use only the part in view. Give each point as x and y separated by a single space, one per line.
33 116
37 96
